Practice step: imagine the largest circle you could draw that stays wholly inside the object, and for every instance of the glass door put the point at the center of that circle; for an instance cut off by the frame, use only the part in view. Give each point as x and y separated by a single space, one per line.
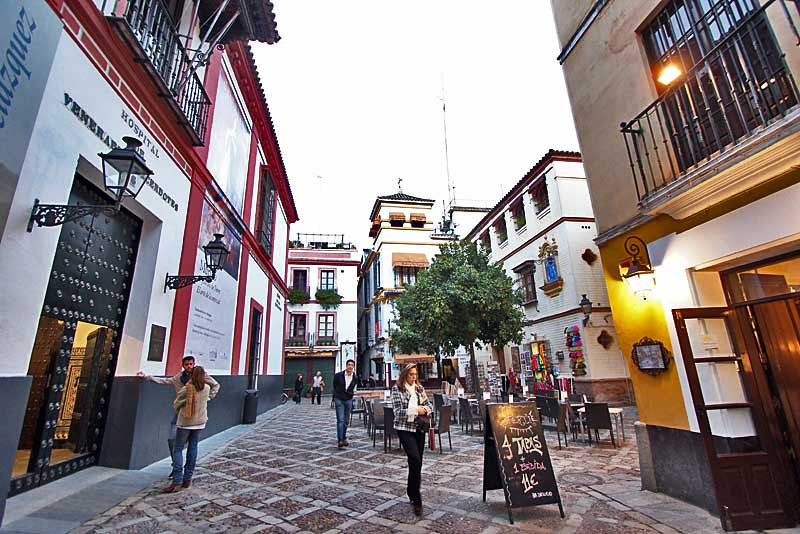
749 473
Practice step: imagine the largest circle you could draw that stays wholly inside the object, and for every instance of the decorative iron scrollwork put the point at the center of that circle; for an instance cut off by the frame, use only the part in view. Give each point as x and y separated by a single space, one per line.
58 214
177 282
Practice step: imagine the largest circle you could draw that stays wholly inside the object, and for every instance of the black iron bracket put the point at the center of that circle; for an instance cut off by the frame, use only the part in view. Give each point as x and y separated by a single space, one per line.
58 214
179 281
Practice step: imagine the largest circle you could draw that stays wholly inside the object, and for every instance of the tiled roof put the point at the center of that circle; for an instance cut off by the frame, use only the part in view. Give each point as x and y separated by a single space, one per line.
255 22
404 198
397 197
551 155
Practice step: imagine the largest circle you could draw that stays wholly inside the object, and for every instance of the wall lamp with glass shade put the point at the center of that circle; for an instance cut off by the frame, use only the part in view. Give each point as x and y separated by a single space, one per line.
586 308
669 74
640 275
215 255
124 174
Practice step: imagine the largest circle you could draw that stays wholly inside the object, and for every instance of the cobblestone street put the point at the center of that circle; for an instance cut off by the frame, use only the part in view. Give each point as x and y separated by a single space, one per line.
287 475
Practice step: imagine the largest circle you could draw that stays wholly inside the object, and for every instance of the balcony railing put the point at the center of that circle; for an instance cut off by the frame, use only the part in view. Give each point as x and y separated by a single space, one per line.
327 341
150 32
741 86
297 340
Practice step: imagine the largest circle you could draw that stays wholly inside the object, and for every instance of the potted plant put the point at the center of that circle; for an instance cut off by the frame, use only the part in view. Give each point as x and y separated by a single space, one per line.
519 221
299 296
328 298
307 391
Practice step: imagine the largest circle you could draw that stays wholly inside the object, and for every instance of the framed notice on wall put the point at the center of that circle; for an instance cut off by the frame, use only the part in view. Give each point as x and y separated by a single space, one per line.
158 337
650 356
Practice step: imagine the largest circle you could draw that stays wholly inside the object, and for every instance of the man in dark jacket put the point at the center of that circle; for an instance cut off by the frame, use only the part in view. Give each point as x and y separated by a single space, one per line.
344 385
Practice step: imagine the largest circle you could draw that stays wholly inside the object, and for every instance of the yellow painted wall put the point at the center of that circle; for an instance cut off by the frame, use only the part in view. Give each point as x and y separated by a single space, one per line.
659 398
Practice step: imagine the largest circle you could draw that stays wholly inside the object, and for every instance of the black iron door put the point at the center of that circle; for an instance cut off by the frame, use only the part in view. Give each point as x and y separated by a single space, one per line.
77 343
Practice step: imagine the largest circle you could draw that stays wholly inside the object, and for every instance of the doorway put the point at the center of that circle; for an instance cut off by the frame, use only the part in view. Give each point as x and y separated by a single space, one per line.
742 363
74 353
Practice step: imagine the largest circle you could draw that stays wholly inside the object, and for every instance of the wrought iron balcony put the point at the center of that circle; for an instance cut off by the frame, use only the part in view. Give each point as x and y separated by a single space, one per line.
741 86
300 340
150 32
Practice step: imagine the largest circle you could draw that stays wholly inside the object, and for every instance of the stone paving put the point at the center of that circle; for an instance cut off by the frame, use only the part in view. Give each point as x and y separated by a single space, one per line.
286 475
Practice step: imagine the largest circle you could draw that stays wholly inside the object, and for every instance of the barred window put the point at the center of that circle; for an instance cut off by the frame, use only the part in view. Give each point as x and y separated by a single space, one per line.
266 212
325 326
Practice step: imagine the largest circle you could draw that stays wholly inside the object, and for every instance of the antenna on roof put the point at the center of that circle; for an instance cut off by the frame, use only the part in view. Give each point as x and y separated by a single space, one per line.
450 186
399 185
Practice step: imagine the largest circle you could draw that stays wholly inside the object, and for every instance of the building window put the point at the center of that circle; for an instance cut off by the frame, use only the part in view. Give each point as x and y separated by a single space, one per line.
541 200
266 211
518 215
376 271
327 279
418 220
397 220
528 285
486 242
720 71
502 232
297 325
405 275
425 371
325 325
300 279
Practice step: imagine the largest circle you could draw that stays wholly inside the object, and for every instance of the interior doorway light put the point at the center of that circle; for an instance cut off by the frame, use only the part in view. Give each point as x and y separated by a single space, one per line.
669 74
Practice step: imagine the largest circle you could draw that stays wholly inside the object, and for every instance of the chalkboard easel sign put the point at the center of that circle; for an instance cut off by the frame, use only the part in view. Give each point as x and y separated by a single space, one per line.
515 457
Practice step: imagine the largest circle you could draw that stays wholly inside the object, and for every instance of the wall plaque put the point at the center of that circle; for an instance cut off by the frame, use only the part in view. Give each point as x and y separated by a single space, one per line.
158 337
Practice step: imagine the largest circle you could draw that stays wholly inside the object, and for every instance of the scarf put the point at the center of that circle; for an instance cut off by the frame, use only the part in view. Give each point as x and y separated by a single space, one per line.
189 407
412 402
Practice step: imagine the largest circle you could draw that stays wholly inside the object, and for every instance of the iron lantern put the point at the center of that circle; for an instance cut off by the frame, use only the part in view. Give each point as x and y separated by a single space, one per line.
215 255
124 170
124 174
586 308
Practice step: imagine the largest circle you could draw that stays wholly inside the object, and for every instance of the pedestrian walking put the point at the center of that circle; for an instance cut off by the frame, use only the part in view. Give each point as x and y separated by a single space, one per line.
412 420
316 388
191 405
344 386
178 381
298 388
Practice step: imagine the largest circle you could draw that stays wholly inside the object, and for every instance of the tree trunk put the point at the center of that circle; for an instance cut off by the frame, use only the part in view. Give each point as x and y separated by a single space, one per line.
473 368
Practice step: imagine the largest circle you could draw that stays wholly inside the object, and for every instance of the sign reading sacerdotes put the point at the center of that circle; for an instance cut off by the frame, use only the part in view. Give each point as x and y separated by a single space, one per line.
213 308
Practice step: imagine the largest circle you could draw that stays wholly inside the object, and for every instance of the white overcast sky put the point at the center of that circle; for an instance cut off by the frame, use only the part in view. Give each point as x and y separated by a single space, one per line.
355 86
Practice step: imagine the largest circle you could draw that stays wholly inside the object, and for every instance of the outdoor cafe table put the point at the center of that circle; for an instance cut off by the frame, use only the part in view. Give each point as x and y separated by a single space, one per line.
616 413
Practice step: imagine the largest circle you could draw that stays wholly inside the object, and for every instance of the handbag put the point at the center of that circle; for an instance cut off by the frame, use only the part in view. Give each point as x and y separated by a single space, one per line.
423 423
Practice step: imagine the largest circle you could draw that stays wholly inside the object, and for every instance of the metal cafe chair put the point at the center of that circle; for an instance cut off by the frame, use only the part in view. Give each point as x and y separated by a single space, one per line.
566 424
438 402
360 409
370 416
468 417
598 418
443 425
388 430
378 421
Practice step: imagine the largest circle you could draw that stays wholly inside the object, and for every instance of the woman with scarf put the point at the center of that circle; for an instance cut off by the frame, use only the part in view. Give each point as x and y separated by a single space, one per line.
191 405
412 416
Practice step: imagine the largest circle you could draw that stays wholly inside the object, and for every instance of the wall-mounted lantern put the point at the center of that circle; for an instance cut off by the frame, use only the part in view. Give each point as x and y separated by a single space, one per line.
586 308
640 275
124 174
216 253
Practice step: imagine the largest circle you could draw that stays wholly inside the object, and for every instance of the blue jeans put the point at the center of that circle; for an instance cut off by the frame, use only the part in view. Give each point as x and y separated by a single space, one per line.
183 436
171 441
343 409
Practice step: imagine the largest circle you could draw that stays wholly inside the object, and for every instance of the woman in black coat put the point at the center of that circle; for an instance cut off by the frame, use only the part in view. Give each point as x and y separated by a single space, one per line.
298 388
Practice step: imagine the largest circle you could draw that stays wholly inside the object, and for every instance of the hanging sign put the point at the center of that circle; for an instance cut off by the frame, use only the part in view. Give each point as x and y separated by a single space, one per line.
515 457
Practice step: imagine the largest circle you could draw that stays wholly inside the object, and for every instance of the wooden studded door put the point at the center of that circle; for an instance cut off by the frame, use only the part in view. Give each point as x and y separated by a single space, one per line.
76 347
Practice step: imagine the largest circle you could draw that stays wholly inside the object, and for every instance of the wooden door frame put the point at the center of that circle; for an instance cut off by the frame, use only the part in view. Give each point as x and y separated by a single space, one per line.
743 348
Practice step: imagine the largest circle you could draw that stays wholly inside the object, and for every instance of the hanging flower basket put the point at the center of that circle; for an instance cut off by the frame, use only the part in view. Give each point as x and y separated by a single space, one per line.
298 296
328 298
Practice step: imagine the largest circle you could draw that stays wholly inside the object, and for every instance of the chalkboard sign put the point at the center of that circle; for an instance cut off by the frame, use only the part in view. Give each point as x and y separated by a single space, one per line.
515 457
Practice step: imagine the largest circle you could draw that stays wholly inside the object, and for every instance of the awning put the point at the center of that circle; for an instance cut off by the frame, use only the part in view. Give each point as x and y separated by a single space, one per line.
402 359
397 216
419 217
527 265
409 259
309 354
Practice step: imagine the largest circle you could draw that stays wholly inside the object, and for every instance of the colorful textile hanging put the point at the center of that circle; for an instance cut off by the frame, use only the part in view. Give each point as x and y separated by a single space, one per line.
577 361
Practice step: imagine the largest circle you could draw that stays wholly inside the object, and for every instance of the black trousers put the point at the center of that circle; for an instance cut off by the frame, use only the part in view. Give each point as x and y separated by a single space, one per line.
316 393
414 445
